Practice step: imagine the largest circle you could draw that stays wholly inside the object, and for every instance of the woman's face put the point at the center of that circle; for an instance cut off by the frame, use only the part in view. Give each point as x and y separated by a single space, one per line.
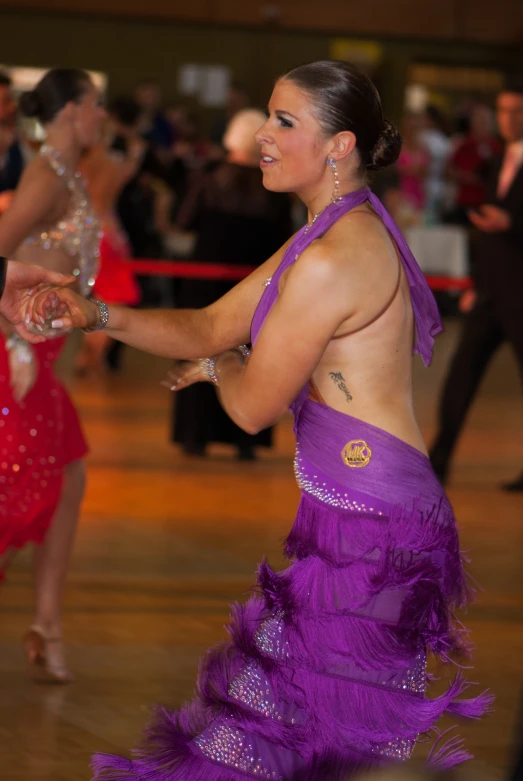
294 148
89 116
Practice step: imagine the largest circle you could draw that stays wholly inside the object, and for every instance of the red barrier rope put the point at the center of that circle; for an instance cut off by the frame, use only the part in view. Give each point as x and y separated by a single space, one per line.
191 270
224 272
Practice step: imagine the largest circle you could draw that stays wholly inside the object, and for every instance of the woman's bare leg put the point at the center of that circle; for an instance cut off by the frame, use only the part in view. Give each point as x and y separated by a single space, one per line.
51 562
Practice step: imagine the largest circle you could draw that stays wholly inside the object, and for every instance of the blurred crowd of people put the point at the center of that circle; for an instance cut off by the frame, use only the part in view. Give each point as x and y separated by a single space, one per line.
440 175
443 167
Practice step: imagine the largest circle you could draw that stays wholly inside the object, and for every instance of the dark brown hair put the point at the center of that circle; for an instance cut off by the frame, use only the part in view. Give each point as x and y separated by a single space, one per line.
346 99
58 87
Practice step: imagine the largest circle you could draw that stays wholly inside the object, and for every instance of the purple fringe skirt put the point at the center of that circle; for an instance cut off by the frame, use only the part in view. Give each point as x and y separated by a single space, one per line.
324 674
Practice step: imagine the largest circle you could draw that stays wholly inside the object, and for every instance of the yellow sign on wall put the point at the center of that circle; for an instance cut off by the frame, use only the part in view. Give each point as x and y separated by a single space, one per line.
365 54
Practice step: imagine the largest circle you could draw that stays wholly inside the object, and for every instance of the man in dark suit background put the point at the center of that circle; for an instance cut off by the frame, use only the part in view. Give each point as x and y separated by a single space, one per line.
495 307
11 158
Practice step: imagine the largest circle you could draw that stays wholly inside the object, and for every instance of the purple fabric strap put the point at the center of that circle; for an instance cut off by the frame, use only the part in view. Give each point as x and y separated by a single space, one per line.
426 316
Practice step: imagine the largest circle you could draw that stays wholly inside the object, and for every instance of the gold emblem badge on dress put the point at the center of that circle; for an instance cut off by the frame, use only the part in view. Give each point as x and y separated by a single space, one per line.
356 453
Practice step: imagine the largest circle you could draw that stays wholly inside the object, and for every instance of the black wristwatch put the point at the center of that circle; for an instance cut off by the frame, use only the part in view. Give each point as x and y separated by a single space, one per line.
3 273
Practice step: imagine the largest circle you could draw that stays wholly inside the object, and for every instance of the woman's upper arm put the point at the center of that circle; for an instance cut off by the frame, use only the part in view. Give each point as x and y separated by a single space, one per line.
34 200
231 315
298 329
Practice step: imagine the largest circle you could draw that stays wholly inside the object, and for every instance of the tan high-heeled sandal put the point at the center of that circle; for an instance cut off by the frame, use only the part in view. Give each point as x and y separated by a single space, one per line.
40 669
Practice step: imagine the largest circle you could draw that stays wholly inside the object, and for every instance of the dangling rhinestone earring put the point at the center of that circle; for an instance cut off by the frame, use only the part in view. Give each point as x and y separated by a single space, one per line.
336 194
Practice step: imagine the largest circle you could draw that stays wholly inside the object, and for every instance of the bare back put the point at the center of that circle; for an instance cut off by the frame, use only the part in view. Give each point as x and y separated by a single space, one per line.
105 177
366 369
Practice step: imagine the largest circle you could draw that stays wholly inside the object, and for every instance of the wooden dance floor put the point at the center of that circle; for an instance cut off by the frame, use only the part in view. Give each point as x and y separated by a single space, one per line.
166 542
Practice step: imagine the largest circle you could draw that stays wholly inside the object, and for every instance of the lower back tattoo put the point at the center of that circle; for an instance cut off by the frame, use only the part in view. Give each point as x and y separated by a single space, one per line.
338 379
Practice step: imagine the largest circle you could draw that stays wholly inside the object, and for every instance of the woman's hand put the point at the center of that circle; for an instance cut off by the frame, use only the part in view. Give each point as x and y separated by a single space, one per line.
61 308
467 302
23 369
23 284
185 373
490 219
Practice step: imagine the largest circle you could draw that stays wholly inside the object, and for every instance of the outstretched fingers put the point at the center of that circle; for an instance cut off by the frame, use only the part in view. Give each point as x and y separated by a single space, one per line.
187 374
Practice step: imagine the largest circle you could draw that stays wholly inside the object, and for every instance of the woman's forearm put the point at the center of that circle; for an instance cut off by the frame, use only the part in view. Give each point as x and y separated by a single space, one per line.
237 402
172 333
229 371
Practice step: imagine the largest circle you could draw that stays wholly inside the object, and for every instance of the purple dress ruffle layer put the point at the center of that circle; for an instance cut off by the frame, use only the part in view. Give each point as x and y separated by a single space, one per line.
325 671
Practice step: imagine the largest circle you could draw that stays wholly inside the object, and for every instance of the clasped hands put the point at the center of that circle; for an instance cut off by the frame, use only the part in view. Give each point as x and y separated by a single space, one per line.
50 309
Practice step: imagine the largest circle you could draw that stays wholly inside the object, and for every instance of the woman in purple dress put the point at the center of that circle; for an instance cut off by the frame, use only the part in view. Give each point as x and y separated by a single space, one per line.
325 673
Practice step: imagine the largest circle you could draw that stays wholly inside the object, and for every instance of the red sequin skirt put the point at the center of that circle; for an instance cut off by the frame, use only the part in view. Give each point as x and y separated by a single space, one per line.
38 438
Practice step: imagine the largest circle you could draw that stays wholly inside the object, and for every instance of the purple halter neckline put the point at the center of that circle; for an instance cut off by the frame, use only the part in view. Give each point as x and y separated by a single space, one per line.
426 316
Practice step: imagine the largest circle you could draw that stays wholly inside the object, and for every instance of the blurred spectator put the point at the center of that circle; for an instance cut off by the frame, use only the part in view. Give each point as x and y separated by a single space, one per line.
495 309
237 100
386 185
469 164
154 126
136 205
176 116
237 221
190 153
436 141
11 157
140 200
461 119
413 164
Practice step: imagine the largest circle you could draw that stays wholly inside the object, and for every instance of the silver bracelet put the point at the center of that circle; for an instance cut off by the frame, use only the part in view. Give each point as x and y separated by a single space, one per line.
103 318
208 367
21 348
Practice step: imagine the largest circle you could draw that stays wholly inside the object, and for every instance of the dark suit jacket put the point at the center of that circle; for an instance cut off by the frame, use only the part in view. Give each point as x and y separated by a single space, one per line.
12 171
497 258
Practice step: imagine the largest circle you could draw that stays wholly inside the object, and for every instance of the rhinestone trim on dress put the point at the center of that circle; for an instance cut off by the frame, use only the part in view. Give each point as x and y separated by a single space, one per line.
399 749
269 637
413 680
313 485
249 687
230 746
78 233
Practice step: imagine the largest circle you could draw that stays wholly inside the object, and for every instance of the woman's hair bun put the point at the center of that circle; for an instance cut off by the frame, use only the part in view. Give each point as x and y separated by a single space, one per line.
387 148
30 104
54 91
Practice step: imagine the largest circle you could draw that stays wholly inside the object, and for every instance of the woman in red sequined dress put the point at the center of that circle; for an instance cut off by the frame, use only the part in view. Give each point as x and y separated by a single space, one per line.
51 222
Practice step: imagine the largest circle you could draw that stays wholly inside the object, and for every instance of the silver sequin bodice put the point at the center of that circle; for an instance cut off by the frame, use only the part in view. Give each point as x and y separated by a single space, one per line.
77 233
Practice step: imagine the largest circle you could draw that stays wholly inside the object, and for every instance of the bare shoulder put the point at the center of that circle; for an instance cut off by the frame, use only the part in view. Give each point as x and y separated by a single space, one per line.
357 248
352 269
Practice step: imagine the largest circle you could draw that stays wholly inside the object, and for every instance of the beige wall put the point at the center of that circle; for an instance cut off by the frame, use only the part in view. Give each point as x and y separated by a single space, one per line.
473 20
